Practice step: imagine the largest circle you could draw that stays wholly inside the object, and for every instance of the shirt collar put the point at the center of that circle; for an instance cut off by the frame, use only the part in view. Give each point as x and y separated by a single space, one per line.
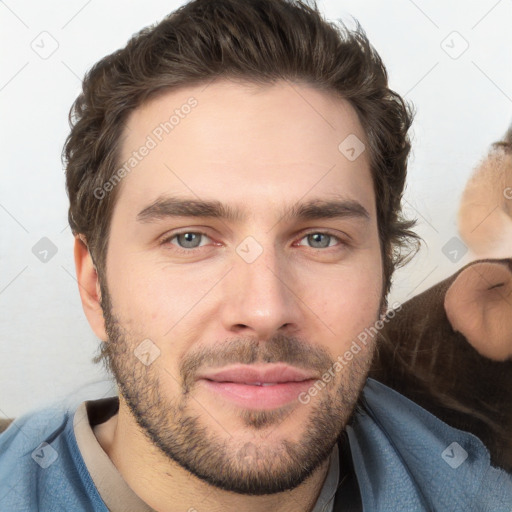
114 490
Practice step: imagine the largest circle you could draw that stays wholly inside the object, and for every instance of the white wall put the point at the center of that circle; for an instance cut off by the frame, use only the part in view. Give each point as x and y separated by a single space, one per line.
46 345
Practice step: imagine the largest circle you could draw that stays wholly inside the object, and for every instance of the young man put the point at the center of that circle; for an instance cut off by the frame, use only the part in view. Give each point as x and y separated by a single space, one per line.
235 176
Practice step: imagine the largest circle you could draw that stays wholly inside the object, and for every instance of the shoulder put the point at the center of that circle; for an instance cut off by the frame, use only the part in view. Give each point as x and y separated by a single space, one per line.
40 463
405 455
29 430
19 443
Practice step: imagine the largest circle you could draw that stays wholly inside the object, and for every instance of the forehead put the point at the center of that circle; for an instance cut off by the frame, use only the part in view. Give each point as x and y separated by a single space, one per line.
244 144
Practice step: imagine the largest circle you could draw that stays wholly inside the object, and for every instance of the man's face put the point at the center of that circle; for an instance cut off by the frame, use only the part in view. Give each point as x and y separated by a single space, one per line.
218 325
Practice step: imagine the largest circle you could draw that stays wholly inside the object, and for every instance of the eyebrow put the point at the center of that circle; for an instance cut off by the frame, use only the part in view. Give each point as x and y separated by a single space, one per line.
168 206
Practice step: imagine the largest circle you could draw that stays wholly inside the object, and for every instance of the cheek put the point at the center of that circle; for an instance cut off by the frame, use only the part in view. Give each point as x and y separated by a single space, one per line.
349 303
136 294
156 298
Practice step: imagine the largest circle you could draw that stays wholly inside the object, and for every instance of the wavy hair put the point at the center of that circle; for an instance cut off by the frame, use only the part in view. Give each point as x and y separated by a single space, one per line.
259 41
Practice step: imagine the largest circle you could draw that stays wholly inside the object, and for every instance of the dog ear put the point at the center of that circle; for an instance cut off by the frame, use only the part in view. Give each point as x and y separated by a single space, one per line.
478 304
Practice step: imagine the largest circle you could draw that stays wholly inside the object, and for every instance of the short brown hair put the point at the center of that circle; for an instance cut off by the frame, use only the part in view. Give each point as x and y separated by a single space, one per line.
259 41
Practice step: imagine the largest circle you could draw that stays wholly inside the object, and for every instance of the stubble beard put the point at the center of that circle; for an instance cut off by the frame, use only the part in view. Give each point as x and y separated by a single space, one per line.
254 467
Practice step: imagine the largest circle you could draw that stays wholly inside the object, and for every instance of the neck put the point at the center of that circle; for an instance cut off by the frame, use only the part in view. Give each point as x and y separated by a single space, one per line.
167 487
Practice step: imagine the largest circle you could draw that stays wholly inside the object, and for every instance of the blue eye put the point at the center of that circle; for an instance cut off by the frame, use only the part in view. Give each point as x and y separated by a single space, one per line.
186 240
190 239
316 238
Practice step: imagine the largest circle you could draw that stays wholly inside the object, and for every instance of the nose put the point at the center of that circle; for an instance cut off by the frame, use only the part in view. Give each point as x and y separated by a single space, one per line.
261 297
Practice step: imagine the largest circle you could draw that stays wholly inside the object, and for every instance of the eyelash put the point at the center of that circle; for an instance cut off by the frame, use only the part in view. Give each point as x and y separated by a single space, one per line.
181 250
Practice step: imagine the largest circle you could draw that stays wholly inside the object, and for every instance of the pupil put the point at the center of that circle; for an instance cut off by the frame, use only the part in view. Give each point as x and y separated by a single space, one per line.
189 238
317 238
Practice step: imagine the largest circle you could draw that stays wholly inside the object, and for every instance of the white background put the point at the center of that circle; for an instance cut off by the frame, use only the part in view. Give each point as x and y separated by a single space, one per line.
46 345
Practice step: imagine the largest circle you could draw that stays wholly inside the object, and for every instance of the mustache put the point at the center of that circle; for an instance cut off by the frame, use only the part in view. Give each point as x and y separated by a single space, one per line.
279 349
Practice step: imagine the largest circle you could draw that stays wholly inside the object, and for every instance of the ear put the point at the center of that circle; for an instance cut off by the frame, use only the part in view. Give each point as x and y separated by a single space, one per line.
89 288
478 304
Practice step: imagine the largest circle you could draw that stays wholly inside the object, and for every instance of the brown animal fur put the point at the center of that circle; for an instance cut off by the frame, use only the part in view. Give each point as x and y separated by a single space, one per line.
423 358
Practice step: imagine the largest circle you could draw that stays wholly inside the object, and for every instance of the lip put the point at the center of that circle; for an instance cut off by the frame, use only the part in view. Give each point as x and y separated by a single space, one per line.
266 386
271 373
